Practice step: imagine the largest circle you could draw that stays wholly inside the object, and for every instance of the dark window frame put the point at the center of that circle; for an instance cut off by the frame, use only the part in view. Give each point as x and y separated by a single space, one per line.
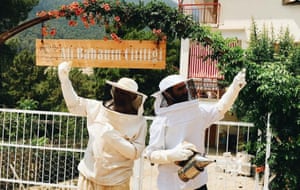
291 2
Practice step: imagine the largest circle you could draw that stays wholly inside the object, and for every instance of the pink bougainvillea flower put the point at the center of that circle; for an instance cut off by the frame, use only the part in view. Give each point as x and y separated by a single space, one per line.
83 19
72 23
106 7
41 13
85 3
63 7
117 18
92 21
62 13
90 18
259 169
44 31
53 32
114 36
156 31
79 11
105 38
54 13
74 6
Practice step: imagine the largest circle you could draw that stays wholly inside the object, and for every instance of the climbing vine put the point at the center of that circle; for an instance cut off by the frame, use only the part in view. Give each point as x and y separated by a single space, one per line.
117 17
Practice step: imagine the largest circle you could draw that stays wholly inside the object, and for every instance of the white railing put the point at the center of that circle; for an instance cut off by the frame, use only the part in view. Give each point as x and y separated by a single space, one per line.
43 149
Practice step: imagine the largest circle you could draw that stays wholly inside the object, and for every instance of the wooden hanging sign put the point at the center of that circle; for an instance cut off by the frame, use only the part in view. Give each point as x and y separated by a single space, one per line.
143 54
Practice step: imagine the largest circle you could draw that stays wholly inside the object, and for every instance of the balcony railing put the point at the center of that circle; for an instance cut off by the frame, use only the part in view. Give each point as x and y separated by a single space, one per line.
203 13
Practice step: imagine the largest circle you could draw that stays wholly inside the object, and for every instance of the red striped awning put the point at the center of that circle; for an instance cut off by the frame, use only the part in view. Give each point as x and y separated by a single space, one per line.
201 66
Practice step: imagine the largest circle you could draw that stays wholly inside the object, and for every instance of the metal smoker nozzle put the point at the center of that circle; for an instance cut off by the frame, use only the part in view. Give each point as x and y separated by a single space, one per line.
202 162
193 167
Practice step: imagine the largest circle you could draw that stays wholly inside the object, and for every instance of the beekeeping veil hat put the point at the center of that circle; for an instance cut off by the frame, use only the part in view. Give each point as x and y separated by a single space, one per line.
168 82
131 86
127 84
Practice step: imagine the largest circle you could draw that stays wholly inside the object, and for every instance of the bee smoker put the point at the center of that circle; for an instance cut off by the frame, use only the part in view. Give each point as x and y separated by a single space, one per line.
193 166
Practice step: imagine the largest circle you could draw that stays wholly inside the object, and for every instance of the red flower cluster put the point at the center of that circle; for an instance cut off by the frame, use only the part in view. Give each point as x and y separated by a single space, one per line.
106 7
259 169
115 37
76 9
160 35
90 13
45 32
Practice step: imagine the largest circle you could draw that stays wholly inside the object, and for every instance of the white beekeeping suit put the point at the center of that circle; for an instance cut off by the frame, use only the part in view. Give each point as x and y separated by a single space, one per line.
115 139
180 127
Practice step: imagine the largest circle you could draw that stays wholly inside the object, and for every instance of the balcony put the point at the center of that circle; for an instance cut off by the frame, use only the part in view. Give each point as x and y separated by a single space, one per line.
203 13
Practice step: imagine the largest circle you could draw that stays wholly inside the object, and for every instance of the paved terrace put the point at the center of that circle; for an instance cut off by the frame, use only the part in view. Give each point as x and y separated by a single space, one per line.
218 179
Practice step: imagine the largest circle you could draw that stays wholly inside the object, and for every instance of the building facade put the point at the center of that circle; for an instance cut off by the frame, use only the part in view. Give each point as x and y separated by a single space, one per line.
233 18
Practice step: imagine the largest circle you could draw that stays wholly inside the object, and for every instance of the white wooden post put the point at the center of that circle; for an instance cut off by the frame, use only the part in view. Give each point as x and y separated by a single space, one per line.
184 57
268 152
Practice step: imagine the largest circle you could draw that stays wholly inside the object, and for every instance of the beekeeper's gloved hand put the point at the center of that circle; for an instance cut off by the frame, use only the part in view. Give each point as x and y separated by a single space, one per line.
227 100
70 96
240 79
63 70
181 152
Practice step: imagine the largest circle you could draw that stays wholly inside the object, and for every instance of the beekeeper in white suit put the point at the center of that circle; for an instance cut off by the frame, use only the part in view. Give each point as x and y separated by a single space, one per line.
179 128
117 131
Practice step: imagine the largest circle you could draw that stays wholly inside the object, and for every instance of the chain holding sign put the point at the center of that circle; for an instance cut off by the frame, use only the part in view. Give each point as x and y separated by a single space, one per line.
143 54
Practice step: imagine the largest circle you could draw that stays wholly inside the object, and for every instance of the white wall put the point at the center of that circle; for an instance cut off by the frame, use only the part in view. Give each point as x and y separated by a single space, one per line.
258 9
236 18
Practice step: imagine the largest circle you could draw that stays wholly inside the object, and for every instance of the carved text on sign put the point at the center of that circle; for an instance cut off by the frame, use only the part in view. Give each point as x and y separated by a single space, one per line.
100 53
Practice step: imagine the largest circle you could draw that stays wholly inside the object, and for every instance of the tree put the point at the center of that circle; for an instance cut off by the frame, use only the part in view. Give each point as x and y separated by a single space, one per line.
20 78
14 11
11 13
273 87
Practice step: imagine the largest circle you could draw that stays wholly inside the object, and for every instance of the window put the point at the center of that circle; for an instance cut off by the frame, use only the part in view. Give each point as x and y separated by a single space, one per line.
290 2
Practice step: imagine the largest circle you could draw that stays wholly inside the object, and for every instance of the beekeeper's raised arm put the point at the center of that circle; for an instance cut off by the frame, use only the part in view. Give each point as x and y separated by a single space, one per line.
74 103
227 100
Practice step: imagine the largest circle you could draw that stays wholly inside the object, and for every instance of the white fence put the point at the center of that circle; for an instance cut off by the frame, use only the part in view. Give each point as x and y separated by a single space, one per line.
41 150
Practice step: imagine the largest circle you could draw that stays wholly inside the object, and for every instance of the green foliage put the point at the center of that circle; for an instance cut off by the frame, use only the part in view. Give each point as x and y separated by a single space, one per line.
27 104
261 48
49 91
294 62
84 84
6 56
42 141
273 87
285 43
20 78
13 12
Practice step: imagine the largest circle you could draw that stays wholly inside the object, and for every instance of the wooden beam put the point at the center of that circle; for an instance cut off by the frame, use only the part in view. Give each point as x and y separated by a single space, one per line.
10 33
